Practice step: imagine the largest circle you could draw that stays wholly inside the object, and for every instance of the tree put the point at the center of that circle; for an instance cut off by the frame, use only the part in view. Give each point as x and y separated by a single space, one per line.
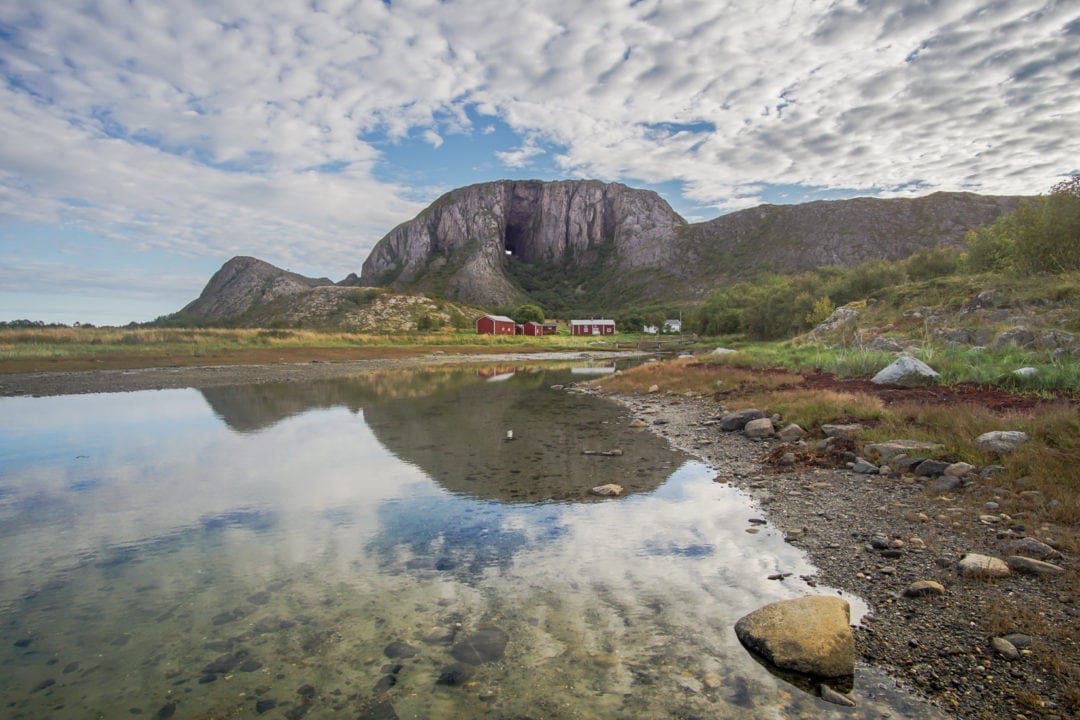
527 313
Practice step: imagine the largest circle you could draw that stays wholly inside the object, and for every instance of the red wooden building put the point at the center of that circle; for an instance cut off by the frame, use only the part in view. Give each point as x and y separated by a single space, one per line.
534 328
592 327
495 325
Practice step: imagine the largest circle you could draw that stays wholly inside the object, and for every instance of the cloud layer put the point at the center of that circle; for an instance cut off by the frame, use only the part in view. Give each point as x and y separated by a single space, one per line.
226 127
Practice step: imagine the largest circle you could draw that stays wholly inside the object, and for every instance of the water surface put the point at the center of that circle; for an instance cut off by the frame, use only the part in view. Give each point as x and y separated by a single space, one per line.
333 549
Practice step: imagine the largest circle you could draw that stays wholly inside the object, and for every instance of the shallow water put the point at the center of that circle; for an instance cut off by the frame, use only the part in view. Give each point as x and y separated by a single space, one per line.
333 549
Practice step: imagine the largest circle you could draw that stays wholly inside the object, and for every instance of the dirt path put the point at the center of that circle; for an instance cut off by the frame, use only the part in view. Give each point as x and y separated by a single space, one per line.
938 645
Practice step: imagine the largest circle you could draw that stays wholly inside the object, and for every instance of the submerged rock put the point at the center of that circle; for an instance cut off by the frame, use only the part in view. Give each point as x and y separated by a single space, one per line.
809 635
456 674
485 645
398 649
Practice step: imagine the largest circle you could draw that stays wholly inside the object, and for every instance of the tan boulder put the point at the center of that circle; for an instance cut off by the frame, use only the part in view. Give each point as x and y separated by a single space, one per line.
810 635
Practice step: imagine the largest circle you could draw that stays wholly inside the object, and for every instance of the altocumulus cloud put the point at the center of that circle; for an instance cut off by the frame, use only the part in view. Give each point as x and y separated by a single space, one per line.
214 128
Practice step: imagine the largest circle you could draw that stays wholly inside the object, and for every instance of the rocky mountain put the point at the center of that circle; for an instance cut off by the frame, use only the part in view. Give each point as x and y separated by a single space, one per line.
571 243
247 292
467 243
581 246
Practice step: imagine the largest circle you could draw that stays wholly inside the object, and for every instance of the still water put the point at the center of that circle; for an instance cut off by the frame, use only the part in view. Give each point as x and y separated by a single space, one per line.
375 548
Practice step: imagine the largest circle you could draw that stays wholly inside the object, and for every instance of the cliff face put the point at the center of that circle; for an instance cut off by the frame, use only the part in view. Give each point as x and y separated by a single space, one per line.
463 243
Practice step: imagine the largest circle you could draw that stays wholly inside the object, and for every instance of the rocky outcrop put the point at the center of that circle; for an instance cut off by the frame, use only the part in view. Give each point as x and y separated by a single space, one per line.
244 282
462 244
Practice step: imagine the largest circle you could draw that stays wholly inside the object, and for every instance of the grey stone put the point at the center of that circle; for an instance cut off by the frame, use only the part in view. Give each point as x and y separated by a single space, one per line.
1019 640
1032 548
1031 566
843 431
791 433
759 428
946 483
959 469
931 468
609 490
487 644
836 698
906 371
1005 649
737 420
863 467
887 449
1019 336
1000 441
989 471
975 565
1026 372
722 351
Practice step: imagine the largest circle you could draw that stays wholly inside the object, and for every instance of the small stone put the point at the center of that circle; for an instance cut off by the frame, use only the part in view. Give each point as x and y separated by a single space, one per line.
485 645
440 636
896 543
638 423
1005 649
266 705
879 542
959 469
830 695
923 588
989 519
863 467
1031 566
791 433
398 649
654 388
848 431
1032 548
1026 372
1019 640
946 483
609 490
992 506
737 420
712 681
975 565
455 675
931 468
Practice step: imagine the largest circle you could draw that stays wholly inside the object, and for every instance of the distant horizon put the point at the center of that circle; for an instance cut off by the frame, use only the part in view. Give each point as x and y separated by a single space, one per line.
141 148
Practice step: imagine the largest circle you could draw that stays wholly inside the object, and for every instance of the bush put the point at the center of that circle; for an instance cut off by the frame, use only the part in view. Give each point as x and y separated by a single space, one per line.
932 263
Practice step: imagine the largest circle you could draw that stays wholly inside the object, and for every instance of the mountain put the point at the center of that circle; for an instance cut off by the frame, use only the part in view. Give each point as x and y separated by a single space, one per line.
592 245
247 292
578 246
469 242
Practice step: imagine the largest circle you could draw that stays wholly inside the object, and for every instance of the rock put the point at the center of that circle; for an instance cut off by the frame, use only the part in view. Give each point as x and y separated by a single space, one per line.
712 680
946 483
931 468
832 696
809 635
1019 640
1019 336
638 423
959 469
440 636
863 467
791 433
884 344
485 645
722 351
1031 566
1005 649
737 420
848 431
886 450
654 388
1026 372
988 471
842 319
974 565
454 675
906 370
1000 441
1032 548
382 711
759 428
398 649
609 490
879 542
923 588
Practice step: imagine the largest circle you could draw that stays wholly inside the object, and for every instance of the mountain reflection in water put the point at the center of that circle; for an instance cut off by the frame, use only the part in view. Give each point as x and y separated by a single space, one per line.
453 425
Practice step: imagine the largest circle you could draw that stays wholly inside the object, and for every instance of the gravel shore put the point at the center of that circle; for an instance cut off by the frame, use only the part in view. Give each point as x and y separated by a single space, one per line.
939 645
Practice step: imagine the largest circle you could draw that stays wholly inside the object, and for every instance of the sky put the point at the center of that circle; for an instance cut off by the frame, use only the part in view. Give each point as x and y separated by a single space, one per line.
143 144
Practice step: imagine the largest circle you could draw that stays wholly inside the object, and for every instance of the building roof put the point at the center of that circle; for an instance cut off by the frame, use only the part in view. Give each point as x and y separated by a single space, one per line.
592 322
499 318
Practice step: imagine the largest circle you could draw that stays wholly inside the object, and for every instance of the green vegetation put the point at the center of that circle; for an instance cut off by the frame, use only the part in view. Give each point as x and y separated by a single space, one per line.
527 313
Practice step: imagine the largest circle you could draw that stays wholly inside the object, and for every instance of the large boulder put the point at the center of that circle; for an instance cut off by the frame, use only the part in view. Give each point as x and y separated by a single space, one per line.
1001 441
906 370
810 635
737 420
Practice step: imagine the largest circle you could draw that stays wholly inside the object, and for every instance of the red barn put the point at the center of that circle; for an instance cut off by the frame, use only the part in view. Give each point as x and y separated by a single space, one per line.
534 328
550 328
494 325
592 327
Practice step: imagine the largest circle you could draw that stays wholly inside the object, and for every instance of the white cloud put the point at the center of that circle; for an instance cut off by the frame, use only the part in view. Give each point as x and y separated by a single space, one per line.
210 128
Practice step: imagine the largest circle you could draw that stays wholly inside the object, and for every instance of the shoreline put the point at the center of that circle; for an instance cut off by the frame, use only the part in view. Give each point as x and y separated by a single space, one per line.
937 646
